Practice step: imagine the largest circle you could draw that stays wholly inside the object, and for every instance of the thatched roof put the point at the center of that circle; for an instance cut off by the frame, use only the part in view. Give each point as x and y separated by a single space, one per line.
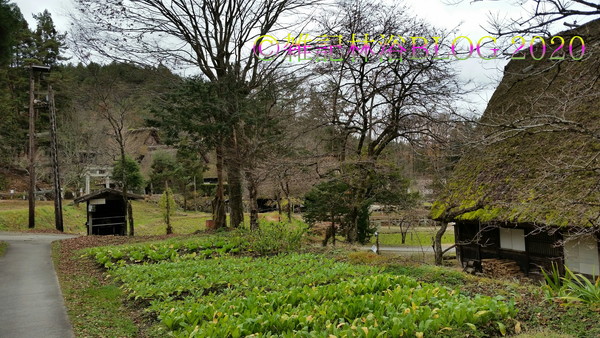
106 192
142 144
543 166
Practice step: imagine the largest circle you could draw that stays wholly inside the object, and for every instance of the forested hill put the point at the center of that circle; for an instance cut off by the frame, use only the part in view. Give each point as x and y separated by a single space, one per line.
82 91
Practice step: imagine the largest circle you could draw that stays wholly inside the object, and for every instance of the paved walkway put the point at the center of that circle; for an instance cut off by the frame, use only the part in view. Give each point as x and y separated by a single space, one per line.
31 304
405 249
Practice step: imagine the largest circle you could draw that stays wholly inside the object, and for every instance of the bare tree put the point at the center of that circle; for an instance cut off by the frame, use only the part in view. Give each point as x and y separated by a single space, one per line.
539 15
113 101
389 90
265 138
213 37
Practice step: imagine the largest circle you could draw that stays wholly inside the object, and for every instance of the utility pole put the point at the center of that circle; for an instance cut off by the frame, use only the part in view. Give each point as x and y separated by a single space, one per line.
58 216
31 169
168 207
32 70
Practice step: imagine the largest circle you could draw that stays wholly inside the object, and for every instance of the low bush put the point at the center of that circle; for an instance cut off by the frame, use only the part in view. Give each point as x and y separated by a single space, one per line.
275 237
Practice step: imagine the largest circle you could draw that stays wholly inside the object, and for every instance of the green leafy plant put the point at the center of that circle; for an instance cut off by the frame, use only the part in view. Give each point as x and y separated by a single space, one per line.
571 287
169 250
288 294
580 288
3 246
130 170
553 286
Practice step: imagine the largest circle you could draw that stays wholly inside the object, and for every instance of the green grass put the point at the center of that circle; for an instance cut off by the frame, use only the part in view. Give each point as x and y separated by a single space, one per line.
149 220
14 216
3 246
415 237
576 320
543 334
147 217
95 309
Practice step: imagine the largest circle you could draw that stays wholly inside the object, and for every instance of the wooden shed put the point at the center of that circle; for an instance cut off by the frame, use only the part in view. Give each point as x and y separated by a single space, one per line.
106 211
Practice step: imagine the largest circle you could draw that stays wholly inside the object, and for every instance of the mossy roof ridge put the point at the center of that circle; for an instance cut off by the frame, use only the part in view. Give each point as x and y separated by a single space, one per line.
545 168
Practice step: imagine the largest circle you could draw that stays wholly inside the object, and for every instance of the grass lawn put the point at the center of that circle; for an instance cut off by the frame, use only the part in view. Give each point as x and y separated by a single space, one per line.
96 307
147 217
418 236
14 216
149 220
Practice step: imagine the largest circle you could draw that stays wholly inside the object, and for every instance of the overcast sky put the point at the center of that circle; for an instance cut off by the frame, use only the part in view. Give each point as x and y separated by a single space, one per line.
466 18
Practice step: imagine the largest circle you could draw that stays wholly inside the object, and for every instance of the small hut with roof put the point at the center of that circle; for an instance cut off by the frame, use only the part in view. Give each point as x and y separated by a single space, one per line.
106 211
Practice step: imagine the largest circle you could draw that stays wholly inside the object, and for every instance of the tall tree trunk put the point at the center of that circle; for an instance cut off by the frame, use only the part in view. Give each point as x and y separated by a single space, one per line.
58 215
130 217
168 206
330 231
437 243
32 151
333 229
219 201
236 203
352 234
290 207
253 197
128 213
278 199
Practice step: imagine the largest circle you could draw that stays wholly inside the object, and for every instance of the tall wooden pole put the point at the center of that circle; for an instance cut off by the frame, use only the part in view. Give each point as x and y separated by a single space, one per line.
31 154
168 207
58 215
195 195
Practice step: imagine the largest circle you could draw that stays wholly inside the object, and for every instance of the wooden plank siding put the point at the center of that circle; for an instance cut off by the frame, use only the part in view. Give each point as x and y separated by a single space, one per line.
477 241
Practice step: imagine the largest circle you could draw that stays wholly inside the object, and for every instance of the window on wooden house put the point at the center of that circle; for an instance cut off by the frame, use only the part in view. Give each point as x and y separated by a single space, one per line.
581 254
512 239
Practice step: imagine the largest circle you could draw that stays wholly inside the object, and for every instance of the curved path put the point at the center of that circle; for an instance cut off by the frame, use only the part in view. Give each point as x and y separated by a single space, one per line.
31 304
407 249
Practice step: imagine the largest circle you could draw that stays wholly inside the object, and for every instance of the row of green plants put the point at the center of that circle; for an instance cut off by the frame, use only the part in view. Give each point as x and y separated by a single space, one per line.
169 250
231 276
270 238
378 305
290 294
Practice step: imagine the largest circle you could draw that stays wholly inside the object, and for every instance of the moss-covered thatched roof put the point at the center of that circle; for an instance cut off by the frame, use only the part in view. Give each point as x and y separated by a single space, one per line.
537 158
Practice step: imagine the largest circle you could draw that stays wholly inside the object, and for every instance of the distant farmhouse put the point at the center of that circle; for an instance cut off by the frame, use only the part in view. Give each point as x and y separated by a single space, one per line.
142 144
530 190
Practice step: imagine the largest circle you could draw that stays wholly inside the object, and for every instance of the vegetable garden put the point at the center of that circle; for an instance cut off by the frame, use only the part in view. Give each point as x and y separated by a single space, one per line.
210 286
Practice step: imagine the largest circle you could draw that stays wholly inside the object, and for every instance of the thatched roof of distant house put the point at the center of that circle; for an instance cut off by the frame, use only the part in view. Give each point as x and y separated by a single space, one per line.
541 167
142 144
301 174
139 142
300 177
